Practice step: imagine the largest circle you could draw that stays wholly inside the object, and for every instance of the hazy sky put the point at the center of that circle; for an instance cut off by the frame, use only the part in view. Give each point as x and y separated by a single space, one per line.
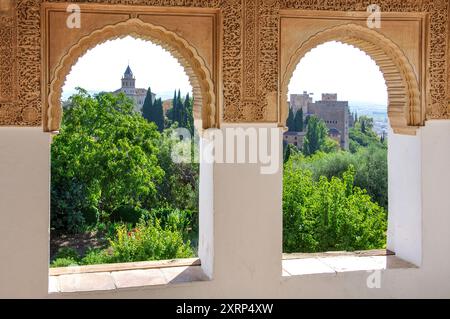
332 67
335 67
101 68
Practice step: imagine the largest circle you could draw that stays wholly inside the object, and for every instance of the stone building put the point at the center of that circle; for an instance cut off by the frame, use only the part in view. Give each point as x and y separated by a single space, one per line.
334 113
129 88
300 101
294 138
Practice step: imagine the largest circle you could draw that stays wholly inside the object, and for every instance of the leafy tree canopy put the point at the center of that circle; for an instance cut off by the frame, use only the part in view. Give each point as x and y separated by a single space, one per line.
105 157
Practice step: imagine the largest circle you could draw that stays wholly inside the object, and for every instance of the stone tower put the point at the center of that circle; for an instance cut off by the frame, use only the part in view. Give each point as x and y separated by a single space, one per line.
129 89
300 101
128 82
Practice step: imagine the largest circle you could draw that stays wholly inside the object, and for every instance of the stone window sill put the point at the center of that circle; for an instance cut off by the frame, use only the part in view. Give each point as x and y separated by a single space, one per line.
334 263
127 275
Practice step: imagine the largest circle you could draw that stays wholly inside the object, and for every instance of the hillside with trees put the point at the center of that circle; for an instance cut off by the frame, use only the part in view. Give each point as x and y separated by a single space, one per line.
335 199
113 178
117 196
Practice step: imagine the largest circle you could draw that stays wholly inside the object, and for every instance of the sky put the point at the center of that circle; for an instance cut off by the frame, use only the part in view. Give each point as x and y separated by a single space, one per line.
102 68
334 67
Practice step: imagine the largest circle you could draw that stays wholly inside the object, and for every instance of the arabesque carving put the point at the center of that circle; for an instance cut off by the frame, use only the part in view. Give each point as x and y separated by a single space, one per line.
437 106
249 94
199 75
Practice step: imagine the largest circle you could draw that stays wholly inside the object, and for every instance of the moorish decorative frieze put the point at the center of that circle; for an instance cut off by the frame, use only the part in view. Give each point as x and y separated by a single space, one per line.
8 48
20 56
249 53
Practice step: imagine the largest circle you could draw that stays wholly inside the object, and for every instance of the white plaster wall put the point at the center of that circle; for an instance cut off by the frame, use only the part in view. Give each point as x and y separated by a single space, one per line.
24 212
206 216
436 202
247 229
405 196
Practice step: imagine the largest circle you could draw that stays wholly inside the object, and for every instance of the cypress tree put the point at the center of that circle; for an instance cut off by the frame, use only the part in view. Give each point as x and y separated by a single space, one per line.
181 113
153 112
189 117
158 113
171 114
148 105
290 121
298 121
316 133
363 126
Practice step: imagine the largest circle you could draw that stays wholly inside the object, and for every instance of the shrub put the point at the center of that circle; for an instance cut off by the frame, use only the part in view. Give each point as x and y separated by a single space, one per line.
370 164
148 242
63 262
91 215
173 219
67 253
95 257
327 215
127 214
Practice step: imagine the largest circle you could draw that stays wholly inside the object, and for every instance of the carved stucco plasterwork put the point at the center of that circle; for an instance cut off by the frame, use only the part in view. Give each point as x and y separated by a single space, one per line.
8 47
437 107
20 64
26 109
255 90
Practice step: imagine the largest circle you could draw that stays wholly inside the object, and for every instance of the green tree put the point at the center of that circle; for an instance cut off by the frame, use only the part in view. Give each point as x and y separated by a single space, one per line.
316 134
366 124
298 121
330 145
188 121
328 214
173 112
157 114
289 150
181 112
370 165
363 126
290 121
359 139
179 188
148 105
153 112
104 157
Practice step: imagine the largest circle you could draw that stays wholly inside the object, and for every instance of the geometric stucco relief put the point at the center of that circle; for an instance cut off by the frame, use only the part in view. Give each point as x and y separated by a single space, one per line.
249 53
438 36
20 63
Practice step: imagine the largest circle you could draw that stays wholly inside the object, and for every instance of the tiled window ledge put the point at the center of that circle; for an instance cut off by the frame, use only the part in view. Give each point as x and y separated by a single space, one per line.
334 263
128 275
